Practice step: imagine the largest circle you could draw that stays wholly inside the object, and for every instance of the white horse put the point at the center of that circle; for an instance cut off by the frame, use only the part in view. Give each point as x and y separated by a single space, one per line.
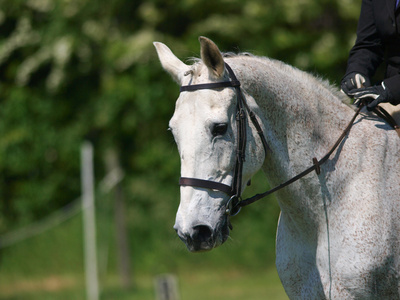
338 232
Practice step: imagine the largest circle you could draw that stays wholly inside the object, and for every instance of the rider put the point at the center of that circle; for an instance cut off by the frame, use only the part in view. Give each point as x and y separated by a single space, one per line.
378 39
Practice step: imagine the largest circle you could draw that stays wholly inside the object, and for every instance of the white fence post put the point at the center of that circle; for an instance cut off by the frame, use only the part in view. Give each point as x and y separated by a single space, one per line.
89 221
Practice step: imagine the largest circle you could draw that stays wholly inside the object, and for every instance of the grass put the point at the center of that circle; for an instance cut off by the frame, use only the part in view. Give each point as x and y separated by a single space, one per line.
193 284
233 284
51 265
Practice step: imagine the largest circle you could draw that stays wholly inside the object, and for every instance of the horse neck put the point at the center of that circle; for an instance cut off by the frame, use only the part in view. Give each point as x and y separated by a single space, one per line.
302 118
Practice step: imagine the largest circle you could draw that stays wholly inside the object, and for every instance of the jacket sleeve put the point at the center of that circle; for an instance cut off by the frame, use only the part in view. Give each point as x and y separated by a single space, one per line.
367 53
393 85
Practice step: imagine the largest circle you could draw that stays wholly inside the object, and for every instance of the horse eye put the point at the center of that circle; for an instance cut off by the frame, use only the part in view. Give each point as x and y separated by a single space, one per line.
219 129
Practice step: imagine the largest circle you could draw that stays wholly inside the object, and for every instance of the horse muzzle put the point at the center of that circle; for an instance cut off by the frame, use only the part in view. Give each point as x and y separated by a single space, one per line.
200 238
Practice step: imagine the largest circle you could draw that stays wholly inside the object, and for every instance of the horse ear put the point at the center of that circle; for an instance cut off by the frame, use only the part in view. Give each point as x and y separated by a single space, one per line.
173 65
211 56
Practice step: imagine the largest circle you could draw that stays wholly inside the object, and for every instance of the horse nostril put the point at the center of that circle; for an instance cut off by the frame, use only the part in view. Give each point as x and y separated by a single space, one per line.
202 233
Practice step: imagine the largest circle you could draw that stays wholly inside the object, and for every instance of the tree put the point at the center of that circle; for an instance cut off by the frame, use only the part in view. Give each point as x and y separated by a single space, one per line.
79 69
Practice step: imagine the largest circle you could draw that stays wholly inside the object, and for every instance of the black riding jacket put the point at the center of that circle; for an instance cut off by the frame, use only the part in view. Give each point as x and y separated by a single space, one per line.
378 40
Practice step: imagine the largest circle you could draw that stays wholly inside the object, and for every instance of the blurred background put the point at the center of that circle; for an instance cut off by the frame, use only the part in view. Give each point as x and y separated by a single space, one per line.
79 70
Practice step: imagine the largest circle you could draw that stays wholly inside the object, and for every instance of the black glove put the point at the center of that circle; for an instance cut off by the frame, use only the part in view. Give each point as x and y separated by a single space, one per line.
373 95
354 81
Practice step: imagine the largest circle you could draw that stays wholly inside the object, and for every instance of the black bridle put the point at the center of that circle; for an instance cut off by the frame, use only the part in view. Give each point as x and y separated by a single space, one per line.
235 203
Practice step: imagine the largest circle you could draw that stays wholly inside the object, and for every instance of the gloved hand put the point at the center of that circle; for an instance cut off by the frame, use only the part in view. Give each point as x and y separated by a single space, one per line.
354 81
373 95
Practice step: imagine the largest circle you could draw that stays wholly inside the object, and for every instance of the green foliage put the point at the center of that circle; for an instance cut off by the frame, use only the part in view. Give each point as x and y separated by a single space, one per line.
79 69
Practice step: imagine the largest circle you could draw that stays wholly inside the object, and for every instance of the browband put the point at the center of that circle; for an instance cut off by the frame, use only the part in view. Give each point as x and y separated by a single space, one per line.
206 86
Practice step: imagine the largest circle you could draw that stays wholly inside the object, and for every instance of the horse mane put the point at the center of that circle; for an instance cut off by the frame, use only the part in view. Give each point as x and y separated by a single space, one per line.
284 67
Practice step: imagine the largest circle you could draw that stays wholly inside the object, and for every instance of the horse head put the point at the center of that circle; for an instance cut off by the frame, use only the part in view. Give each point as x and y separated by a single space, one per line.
204 126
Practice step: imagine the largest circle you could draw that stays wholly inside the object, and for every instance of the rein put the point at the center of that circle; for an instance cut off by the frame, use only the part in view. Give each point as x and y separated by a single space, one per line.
315 167
235 203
